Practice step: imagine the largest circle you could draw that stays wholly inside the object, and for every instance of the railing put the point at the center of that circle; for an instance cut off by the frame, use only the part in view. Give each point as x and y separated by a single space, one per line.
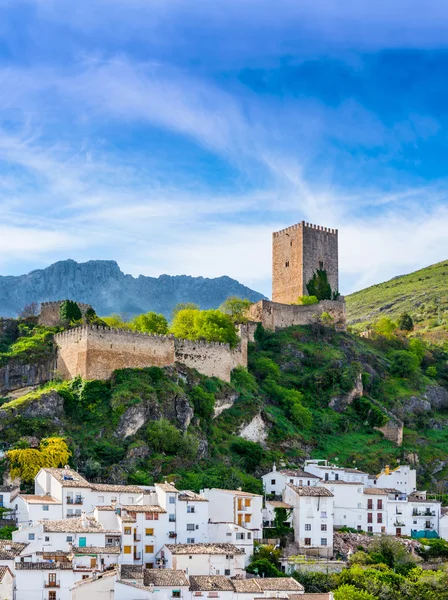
172 534
78 500
52 584
43 566
419 513
399 524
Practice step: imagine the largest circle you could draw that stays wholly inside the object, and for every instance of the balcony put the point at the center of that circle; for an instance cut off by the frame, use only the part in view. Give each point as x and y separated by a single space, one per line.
52 584
137 537
399 523
137 555
172 534
161 561
77 500
421 513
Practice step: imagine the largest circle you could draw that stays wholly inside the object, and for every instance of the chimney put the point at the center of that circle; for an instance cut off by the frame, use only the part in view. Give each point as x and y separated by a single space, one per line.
387 470
274 468
84 521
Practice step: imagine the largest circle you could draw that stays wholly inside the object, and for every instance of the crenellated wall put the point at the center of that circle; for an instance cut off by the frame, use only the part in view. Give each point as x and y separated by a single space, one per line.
96 352
49 312
274 315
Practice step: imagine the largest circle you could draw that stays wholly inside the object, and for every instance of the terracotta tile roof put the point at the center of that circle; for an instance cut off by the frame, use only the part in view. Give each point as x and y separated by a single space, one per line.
188 496
327 596
4 489
143 508
412 498
10 550
106 507
131 571
237 493
128 519
88 580
121 489
164 577
167 487
204 549
311 490
73 525
210 583
299 473
33 499
278 504
246 586
279 584
340 482
96 550
3 571
68 477
380 491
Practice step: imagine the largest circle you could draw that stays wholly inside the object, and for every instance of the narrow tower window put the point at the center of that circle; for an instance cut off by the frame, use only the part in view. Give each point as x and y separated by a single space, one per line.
321 265
287 263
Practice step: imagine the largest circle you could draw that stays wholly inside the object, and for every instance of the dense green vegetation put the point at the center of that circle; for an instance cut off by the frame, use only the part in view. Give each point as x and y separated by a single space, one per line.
28 343
421 294
296 380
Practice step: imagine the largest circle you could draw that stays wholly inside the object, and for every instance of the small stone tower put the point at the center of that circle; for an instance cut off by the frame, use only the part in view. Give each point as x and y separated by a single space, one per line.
297 252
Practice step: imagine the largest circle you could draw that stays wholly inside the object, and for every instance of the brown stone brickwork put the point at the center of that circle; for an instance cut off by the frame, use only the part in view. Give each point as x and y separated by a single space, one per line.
274 316
297 252
49 312
96 352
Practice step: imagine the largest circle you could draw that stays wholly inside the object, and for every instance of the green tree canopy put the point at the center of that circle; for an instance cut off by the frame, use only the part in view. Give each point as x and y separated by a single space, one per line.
69 311
150 322
236 308
349 592
307 300
319 286
385 327
405 322
210 325
183 306
403 363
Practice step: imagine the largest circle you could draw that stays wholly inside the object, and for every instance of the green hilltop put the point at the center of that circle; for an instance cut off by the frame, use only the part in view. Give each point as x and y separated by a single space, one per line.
423 294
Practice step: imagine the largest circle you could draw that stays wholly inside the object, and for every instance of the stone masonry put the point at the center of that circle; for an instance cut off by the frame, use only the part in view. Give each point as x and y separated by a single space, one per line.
49 312
275 316
297 252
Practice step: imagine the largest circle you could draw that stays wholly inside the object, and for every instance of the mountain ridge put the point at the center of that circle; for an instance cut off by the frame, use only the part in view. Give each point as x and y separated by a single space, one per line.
103 284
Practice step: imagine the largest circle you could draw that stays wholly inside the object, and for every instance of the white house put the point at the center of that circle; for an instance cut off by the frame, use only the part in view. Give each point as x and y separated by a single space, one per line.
8 494
443 524
275 482
425 514
9 551
269 513
231 533
328 472
349 503
212 586
376 499
99 586
32 508
402 478
312 518
6 584
266 587
236 506
203 559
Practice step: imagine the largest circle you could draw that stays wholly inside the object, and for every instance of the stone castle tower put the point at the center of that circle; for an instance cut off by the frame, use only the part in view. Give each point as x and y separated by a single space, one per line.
297 252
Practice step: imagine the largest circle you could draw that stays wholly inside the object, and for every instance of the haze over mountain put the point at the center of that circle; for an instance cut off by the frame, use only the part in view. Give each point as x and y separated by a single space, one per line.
102 284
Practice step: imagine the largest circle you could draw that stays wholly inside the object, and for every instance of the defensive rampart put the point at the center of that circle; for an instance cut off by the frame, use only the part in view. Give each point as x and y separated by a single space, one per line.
274 316
96 352
49 312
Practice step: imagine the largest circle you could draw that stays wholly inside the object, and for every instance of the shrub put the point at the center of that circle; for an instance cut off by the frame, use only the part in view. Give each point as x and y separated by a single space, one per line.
403 363
385 327
326 319
307 300
251 453
150 322
264 568
369 412
210 325
318 285
236 309
203 402
405 322
349 592
264 367
431 371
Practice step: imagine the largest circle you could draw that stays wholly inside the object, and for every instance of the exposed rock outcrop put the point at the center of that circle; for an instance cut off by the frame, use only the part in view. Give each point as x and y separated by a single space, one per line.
255 431
340 403
49 405
16 375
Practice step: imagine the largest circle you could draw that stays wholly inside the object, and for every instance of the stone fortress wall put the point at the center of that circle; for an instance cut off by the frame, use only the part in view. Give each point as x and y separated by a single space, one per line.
274 315
49 312
96 352
297 252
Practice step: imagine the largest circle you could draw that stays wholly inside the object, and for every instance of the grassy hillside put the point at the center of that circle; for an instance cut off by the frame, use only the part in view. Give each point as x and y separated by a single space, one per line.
423 294
146 424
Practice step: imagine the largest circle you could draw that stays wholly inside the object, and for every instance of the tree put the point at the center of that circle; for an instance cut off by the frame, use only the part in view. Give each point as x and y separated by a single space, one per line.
116 321
150 322
29 310
326 319
319 286
403 363
26 463
307 300
349 592
203 402
405 322
69 312
183 306
251 453
236 308
210 325
385 327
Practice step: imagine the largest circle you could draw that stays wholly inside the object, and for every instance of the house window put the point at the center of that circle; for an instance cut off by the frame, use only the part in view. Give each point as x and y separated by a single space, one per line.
47 538
69 538
149 565
127 550
152 516
308 483
149 549
336 477
321 264
287 263
172 500
291 481
247 518
127 530
369 518
229 556
190 526
379 505
227 572
172 518
45 507
175 594
370 529
114 499
131 500
190 509
52 579
190 540
323 515
326 477
31 536
370 504
239 536
52 595
300 482
307 527
359 505
272 481
149 531
100 499
247 502
379 518
307 541
249 536
323 541
323 527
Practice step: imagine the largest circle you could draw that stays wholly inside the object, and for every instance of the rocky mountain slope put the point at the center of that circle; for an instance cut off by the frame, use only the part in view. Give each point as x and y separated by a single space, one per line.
423 294
308 392
102 284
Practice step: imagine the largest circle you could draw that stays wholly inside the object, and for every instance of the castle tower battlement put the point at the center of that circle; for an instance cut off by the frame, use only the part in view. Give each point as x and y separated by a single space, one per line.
297 253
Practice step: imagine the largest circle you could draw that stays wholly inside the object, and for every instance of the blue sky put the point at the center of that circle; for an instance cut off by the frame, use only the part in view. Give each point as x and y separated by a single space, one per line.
174 136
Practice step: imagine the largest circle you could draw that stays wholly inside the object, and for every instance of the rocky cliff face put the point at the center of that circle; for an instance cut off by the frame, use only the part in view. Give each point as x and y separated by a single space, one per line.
103 285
